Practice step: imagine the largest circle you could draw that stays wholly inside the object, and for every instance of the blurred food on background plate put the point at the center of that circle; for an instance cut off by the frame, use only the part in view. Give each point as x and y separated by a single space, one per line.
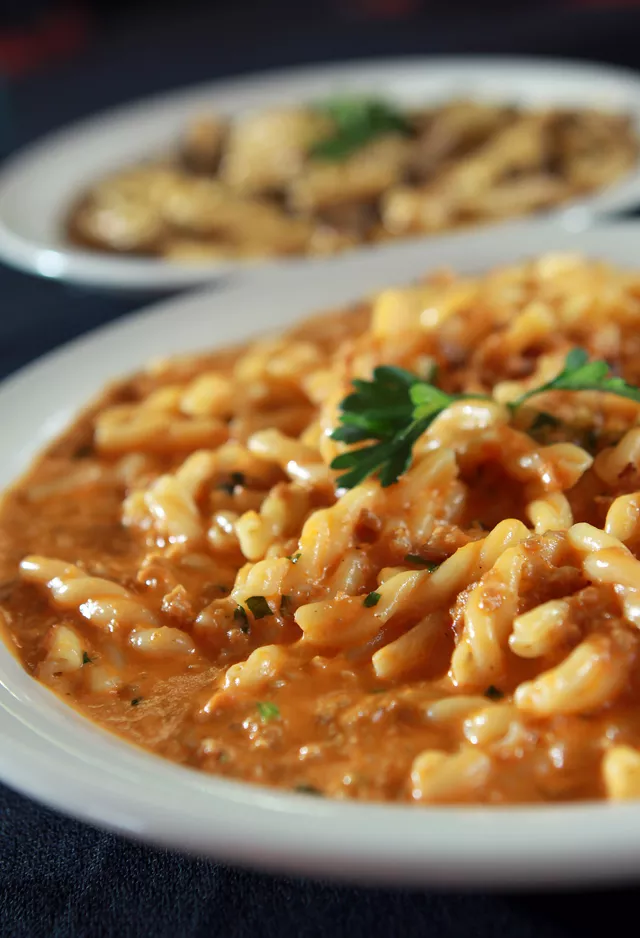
323 178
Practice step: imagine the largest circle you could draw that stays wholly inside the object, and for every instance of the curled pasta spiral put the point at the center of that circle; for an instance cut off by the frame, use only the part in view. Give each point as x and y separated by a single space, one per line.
104 603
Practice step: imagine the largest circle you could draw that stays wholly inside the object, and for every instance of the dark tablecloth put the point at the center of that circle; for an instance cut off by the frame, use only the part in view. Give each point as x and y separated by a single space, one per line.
59 878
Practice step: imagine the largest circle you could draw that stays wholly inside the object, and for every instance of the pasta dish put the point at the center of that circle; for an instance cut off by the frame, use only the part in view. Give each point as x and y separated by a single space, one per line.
326 177
392 554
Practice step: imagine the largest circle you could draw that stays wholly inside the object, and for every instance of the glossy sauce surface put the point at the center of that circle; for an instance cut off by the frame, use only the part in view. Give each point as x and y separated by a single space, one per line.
203 589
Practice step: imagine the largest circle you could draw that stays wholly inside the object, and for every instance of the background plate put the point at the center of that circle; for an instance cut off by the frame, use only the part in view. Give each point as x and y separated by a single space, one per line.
37 185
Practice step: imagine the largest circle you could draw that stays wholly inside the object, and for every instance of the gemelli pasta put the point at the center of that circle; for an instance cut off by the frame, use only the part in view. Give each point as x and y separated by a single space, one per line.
392 554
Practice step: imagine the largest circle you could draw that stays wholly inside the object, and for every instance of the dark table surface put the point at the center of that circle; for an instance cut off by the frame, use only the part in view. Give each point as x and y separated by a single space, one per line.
59 878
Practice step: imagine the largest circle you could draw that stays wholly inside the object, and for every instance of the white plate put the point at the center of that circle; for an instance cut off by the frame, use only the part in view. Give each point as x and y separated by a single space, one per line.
52 754
38 184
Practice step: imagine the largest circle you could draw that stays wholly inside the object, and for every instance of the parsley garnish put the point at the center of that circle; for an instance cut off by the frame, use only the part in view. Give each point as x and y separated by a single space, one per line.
590 441
542 421
235 479
285 604
357 122
259 607
371 600
86 659
579 374
493 693
241 617
396 407
308 790
136 701
294 558
383 409
268 711
420 561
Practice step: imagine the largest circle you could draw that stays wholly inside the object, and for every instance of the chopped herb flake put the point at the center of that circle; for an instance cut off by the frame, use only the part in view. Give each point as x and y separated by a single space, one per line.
294 558
136 701
85 658
308 790
285 605
591 439
493 693
235 479
542 420
371 600
420 561
259 607
241 617
268 711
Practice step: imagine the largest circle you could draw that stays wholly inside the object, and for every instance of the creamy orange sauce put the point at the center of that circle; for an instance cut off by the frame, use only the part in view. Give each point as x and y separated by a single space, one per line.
326 721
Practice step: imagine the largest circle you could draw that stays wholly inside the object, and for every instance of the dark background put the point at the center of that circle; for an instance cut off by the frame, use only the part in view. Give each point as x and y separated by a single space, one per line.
59 878
35 33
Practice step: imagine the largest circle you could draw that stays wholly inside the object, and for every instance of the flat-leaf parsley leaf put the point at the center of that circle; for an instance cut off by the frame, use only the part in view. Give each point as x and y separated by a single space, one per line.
390 412
357 122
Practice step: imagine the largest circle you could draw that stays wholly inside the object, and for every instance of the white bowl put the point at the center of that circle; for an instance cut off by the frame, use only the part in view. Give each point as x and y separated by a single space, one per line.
38 184
53 754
